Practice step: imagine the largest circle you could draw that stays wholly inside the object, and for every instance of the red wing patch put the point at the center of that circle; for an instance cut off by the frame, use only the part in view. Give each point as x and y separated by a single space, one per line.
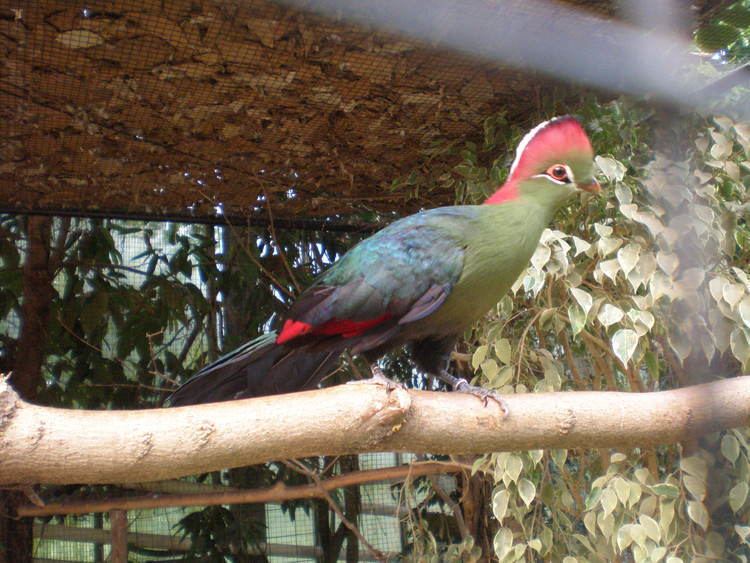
292 329
335 327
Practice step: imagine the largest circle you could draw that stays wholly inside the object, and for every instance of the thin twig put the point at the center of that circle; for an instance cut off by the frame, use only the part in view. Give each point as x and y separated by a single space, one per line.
602 366
282 254
522 344
455 508
571 361
185 350
606 349
280 286
303 469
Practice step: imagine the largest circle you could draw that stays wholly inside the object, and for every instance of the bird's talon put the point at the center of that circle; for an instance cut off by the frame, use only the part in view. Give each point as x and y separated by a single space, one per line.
463 386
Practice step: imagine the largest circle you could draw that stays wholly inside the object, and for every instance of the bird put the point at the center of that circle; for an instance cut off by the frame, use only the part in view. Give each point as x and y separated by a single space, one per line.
420 281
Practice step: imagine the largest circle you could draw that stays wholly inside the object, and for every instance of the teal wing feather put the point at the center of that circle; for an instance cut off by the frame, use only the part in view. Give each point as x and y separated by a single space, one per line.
402 273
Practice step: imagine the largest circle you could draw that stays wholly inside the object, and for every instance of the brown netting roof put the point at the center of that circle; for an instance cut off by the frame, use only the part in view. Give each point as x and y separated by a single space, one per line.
168 107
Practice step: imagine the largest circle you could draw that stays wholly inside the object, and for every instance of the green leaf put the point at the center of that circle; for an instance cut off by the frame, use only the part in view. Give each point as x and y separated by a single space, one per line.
502 378
609 315
696 486
715 36
478 463
609 268
651 527
694 465
622 489
652 365
536 455
583 298
730 447
478 356
642 474
744 310
623 194
577 319
608 501
624 343
593 498
559 455
666 516
611 168
738 495
733 293
527 490
739 342
624 539
643 321
606 524
635 493
581 245
743 532
589 520
680 344
94 312
698 513
490 369
500 504
628 256
502 350
513 467
737 15
503 542
547 537
666 490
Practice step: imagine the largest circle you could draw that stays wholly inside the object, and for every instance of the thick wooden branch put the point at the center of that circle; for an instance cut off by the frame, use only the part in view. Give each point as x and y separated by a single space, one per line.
48 445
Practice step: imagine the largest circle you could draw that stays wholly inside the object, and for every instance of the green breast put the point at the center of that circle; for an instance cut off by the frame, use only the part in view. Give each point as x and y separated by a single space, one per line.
499 245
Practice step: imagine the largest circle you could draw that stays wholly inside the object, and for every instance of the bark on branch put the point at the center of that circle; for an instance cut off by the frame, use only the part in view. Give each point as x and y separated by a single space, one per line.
63 446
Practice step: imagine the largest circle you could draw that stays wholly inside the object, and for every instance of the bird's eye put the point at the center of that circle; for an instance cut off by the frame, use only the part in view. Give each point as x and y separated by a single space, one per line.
558 172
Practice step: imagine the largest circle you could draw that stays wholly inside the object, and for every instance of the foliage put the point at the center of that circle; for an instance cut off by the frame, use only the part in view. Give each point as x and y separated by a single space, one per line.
728 33
140 306
217 533
645 288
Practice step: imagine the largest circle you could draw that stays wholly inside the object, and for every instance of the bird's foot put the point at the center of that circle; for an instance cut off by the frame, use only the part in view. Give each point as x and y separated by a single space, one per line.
379 378
486 395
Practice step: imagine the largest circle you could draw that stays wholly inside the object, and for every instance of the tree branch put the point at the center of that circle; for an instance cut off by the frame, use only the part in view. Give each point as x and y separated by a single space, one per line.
277 493
49 445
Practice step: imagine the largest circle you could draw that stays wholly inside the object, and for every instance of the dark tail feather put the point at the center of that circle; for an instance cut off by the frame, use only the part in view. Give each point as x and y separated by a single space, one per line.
259 367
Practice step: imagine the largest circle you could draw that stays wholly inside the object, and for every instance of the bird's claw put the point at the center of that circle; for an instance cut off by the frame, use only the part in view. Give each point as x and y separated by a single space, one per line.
463 386
379 378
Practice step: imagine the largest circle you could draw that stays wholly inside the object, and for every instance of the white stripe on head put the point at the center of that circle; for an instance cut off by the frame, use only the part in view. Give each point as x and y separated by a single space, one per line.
525 141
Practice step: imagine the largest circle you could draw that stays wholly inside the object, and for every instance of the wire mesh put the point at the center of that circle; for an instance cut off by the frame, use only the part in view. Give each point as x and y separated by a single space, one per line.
206 104
155 534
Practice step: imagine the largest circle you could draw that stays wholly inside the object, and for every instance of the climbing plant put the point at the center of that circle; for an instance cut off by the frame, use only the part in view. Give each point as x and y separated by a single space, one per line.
643 288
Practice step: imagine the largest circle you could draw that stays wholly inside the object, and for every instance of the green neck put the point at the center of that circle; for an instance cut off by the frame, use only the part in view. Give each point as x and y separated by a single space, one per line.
548 197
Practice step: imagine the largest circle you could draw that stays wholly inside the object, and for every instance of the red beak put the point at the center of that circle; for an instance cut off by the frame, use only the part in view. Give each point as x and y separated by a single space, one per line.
592 187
